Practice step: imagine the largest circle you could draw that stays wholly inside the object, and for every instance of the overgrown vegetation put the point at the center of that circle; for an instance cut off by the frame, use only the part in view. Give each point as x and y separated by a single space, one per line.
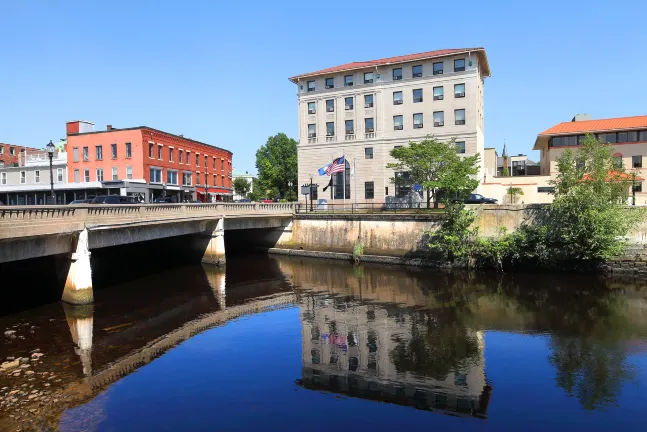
358 251
514 193
587 222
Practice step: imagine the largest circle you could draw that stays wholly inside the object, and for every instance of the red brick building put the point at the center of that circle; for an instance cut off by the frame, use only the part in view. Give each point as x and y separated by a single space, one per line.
10 154
148 162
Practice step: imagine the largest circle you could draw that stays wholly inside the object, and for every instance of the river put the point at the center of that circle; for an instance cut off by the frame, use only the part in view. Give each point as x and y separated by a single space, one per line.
279 343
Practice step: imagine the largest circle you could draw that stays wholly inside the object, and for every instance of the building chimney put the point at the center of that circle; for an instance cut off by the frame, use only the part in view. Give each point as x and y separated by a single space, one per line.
109 127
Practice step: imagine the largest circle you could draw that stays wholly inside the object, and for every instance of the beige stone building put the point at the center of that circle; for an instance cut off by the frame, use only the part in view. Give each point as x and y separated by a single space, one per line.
362 110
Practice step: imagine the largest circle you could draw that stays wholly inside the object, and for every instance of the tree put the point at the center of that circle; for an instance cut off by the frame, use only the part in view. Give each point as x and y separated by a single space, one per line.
276 163
258 191
241 186
435 165
514 193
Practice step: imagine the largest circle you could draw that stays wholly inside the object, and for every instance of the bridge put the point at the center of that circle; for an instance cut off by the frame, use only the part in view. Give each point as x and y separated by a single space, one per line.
75 230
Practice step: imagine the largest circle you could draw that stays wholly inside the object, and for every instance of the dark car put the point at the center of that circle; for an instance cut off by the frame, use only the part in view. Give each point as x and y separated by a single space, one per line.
479 199
114 199
163 200
244 200
81 201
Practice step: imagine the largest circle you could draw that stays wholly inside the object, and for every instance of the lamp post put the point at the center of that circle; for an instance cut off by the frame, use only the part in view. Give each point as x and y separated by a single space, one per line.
50 152
206 185
289 189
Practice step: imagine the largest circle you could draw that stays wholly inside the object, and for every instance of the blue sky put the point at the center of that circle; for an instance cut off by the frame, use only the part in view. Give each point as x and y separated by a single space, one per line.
217 71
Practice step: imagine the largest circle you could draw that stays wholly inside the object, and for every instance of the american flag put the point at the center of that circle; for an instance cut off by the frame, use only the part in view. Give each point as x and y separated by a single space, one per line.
338 165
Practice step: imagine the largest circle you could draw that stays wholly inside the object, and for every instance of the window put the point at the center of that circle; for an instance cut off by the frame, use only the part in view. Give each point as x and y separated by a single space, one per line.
397 98
417 95
546 189
86 154
330 83
368 101
37 176
636 161
459 90
330 105
76 154
171 177
642 136
1 149
197 159
439 118
113 151
215 179
368 125
330 129
608 138
4 178
350 127
129 172
348 103
632 136
564 141
369 190
188 157
115 173
368 153
99 152
155 175
206 161
617 162
214 163
368 77
12 151
402 184
459 65
180 156
311 86
100 174
187 178
338 181
386 191
417 121
222 165
312 130
23 177
439 93
150 150
59 175
348 80
197 178
459 116
397 122
397 74
622 137
416 71
159 152
77 177
129 150
518 168
460 146
312 108
637 187
170 154
438 68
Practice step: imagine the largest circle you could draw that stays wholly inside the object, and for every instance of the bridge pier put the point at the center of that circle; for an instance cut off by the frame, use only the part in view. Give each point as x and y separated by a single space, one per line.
214 252
80 319
78 285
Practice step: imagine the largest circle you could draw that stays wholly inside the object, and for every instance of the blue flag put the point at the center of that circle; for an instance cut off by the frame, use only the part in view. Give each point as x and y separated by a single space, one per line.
324 170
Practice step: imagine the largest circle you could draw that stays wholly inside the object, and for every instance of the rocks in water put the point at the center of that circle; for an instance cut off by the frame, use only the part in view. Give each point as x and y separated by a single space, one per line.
9 332
24 360
36 355
8 365
29 372
37 350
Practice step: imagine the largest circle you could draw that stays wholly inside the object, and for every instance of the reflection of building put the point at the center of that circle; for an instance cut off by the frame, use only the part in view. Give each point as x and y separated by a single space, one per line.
352 348
365 109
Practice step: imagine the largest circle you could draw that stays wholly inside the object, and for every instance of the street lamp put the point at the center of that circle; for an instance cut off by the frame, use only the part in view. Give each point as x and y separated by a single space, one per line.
50 152
289 189
206 184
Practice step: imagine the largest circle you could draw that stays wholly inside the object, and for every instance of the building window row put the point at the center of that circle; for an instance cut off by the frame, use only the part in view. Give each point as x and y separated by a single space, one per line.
608 138
368 77
98 172
439 119
98 152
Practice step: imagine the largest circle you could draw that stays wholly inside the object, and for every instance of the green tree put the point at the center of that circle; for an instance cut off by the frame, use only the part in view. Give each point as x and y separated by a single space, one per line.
435 165
276 163
514 193
257 191
241 186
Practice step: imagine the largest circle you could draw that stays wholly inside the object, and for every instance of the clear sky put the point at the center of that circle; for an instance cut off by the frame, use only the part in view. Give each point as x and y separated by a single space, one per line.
217 71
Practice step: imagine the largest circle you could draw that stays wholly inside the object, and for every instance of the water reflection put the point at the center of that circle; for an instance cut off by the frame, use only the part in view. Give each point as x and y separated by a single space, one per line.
405 336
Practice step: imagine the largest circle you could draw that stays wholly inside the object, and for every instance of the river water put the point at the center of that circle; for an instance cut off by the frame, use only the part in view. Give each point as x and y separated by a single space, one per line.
300 344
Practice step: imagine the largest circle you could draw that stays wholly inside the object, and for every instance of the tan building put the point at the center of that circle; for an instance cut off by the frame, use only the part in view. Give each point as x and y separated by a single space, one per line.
362 110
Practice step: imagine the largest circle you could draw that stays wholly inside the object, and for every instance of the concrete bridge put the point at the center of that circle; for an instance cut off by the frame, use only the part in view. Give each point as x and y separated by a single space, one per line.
75 230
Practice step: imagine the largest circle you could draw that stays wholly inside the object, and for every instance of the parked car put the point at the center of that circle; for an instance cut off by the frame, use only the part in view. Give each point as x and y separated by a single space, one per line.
163 200
480 199
244 200
265 200
81 201
114 199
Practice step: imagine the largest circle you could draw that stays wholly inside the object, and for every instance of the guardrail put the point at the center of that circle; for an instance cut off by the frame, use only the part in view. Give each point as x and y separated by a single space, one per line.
365 208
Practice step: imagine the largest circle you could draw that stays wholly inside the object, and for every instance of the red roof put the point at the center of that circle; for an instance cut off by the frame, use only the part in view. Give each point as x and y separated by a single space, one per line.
398 59
616 176
597 125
